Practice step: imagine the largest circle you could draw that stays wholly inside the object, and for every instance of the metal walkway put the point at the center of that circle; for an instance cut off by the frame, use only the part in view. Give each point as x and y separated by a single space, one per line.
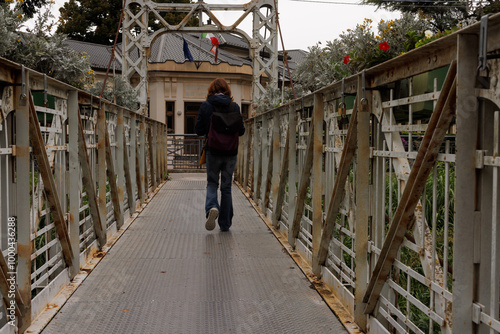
167 274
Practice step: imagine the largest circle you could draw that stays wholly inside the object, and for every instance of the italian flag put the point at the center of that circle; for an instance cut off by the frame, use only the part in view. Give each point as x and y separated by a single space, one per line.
215 43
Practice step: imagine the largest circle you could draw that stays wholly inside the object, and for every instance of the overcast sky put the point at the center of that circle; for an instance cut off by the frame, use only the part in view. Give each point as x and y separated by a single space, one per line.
305 22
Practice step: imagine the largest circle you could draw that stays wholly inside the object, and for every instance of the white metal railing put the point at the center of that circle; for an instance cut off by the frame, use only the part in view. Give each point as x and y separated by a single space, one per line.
70 170
389 186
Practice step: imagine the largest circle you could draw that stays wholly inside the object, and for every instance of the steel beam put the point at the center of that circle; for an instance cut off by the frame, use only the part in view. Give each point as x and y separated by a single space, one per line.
101 168
362 205
74 181
466 186
151 152
292 169
135 181
120 151
21 206
317 172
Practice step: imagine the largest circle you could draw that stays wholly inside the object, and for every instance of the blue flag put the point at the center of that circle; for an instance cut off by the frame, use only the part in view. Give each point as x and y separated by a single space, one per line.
187 53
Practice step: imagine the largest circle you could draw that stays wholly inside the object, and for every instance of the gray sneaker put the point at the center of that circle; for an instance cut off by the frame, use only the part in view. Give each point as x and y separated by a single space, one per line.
212 216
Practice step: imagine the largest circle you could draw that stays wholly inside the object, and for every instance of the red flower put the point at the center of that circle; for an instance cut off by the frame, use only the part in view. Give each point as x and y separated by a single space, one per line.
347 59
384 46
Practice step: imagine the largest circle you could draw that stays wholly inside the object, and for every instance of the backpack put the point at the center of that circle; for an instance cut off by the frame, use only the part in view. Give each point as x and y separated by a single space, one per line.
223 133
227 122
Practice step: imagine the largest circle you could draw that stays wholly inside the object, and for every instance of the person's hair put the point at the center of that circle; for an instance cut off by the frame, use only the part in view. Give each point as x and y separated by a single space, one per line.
218 86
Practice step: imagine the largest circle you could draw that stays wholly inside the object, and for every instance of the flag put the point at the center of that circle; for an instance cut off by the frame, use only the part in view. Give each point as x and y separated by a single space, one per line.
215 43
187 53
213 39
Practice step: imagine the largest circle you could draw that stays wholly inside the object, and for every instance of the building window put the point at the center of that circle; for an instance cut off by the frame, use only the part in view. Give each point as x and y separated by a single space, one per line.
244 110
190 116
170 109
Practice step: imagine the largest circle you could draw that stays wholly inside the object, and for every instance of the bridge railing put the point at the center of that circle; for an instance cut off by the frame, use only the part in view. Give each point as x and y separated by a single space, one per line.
73 168
184 151
388 186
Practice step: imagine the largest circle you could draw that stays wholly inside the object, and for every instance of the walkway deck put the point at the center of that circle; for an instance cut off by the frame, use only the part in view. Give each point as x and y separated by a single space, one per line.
167 274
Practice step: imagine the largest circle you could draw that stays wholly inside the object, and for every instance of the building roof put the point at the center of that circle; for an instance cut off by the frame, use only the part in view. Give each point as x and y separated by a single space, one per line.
169 47
98 54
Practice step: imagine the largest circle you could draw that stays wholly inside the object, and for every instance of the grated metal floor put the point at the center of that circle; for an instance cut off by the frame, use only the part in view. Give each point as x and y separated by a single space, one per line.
167 274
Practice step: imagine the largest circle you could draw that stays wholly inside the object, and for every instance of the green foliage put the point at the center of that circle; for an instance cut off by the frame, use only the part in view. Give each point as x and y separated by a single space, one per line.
97 21
432 38
440 15
273 98
363 48
38 50
118 91
10 23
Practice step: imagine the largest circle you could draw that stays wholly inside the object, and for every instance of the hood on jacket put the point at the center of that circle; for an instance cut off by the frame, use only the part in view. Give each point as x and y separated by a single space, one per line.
219 100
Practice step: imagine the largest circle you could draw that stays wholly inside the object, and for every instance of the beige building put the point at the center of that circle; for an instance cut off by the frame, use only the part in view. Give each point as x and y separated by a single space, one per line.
177 87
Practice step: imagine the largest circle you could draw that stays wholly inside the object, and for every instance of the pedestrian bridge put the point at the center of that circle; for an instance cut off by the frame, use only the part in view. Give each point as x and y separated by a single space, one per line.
383 188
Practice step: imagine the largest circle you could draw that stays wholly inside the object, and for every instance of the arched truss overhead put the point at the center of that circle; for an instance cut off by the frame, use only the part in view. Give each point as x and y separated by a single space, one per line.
137 41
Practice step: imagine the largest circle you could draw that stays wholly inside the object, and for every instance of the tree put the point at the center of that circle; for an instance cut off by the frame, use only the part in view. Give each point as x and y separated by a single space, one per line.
442 15
96 21
28 7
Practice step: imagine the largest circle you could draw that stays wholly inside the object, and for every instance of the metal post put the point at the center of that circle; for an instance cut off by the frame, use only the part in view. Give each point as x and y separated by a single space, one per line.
132 149
101 165
74 182
22 202
120 149
292 168
276 157
264 161
257 162
317 171
466 204
142 161
246 156
362 206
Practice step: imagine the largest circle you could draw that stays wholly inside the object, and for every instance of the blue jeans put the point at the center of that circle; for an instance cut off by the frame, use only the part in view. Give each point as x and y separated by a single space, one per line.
223 166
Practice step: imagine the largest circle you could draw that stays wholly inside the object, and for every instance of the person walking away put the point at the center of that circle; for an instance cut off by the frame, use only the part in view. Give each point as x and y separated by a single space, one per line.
220 119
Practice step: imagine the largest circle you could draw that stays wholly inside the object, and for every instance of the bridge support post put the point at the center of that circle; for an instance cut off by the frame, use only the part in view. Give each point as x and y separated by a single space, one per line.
257 162
101 170
317 172
362 204
21 204
132 149
119 156
143 177
466 206
247 152
266 159
74 181
292 165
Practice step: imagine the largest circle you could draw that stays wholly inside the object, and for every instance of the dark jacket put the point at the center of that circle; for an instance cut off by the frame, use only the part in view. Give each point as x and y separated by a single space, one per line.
204 116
